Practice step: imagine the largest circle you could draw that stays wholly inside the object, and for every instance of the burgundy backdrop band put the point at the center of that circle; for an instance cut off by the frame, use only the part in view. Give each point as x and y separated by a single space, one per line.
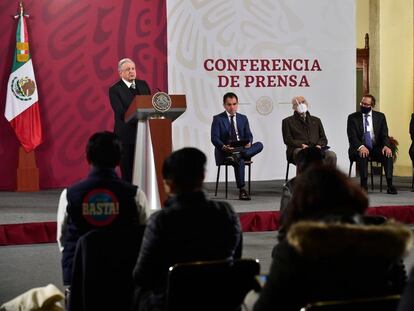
75 48
45 232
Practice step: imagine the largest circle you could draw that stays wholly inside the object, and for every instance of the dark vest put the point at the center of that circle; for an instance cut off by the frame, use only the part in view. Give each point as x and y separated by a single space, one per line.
101 200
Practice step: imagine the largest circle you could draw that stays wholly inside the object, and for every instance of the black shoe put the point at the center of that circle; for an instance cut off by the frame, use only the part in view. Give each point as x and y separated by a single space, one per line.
243 195
391 190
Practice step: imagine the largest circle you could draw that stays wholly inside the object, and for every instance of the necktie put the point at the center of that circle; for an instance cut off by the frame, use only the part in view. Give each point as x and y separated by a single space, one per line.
367 134
132 88
233 135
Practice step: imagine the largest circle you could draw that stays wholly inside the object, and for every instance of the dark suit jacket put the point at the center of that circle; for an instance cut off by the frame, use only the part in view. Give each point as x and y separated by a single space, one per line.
220 132
121 97
297 132
355 130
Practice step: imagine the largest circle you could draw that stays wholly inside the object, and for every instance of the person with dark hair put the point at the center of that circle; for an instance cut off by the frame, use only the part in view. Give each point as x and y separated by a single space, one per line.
101 200
303 130
121 95
189 228
304 159
329 253
368 138
228 130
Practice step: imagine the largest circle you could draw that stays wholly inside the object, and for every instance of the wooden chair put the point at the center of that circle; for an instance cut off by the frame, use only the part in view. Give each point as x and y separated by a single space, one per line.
211 285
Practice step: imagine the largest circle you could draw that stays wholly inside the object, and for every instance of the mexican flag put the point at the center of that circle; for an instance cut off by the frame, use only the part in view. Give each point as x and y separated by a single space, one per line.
22 105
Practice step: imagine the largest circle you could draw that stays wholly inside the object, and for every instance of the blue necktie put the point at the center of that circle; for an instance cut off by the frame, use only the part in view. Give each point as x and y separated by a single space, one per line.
233 135
367 134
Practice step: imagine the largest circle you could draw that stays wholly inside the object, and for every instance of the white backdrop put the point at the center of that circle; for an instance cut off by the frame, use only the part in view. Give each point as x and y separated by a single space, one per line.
317 30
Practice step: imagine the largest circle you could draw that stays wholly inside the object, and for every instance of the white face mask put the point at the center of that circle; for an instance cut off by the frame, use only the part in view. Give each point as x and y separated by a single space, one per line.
302 108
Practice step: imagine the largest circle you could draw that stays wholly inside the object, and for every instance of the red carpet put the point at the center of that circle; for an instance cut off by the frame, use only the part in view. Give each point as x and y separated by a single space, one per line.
45 232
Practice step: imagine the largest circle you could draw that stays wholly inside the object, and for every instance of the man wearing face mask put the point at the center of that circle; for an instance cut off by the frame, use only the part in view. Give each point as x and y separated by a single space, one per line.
302 130
368 137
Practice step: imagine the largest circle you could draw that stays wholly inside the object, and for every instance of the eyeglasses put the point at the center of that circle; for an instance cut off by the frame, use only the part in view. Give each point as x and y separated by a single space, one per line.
365 104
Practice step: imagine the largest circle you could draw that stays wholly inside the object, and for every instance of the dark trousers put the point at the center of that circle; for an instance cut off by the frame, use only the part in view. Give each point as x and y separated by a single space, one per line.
245 154
127 161
376 155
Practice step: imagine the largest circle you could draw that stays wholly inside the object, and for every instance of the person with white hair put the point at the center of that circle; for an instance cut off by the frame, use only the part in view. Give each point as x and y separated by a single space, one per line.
121 95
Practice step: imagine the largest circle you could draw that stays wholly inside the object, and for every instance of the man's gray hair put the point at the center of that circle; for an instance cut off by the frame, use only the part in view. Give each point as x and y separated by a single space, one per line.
123 61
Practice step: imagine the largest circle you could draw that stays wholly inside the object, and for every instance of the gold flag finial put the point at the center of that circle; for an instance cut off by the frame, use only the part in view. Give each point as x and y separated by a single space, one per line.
21 10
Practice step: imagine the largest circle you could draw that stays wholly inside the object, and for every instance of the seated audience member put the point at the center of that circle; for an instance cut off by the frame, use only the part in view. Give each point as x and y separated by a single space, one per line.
229 128
101 200
368 137
189 228
329 254
302 130
304 159
407 298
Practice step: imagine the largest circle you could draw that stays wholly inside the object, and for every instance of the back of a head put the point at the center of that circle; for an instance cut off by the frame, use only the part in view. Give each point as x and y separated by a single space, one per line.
103 150
323 191
308 157
185 167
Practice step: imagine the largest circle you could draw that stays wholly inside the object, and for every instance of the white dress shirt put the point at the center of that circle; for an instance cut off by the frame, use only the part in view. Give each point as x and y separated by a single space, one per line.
128 84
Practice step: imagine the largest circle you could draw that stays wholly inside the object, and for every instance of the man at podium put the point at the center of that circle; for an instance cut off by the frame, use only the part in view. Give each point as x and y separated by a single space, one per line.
121 95
231 135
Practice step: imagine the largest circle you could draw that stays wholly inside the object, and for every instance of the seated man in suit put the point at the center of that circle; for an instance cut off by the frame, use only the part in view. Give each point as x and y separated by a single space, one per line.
227 128
368 137
301 130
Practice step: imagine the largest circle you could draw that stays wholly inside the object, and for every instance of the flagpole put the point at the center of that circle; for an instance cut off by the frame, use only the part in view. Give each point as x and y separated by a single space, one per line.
21 11
27 170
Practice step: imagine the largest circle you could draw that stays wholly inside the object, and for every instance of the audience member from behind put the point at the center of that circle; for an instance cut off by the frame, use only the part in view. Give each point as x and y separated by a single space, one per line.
305 158
101 200
329 254
189 228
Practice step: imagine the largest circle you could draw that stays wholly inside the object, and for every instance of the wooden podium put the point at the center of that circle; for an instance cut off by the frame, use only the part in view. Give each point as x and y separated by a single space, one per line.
153 143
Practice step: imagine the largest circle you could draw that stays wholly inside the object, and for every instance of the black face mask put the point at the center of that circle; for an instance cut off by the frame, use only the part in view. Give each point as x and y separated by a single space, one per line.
365 109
